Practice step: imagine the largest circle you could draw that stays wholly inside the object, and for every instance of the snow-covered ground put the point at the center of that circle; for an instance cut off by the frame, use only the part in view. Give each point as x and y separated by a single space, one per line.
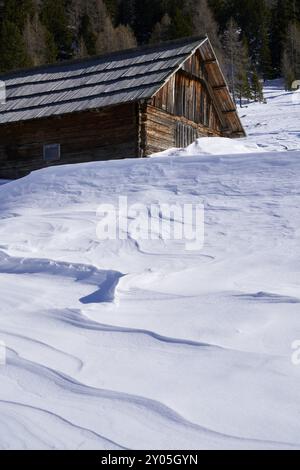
274 126
126 344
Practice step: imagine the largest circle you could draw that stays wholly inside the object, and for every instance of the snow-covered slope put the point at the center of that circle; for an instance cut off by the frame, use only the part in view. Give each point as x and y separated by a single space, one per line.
274 126
126 344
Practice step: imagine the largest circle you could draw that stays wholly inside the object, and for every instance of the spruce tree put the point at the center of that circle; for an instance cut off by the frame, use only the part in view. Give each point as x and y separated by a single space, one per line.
17 12
38 42
243 83
279 25
147 14
13 53
77 27
112 8
54 18
236 62
161 31
291 55
127 13
256 87
87 35
232 44
181 25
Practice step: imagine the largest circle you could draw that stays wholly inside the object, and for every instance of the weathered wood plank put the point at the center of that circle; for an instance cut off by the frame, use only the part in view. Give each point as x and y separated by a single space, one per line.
89 136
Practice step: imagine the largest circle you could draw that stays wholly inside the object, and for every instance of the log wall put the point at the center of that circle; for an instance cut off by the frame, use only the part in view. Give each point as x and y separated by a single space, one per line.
106 134
162 130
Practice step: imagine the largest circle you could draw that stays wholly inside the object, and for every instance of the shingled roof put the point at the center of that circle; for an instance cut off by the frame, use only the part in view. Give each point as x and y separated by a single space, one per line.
106 80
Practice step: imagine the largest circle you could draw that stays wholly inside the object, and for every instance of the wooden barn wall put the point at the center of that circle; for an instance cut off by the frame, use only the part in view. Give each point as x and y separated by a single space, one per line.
186 95
110 133
161 130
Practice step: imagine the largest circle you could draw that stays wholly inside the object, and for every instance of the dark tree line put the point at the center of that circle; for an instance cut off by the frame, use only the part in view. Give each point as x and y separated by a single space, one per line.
254 39
269 30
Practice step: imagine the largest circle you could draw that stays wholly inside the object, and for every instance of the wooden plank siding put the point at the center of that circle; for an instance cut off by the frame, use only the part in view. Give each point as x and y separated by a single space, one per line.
187 97
163 130
110 133
182 110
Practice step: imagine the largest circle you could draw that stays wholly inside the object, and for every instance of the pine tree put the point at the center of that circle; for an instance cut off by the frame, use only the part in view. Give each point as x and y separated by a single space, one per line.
161 31
236 62
39 43
243 83
232 45
181 25
124 38
265 58
127 13
13 53
88 37
279 26
203 22
291 55
223 10
112 8
283 13
256 87
48 30
17 11
254 20
54 18
147 14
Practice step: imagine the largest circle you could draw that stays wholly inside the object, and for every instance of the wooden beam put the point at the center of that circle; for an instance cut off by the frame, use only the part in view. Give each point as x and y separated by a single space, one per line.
229 111
202 53
209 61
219 87
215 103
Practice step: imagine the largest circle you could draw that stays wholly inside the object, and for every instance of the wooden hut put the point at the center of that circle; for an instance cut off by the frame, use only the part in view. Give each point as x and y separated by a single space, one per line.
125 104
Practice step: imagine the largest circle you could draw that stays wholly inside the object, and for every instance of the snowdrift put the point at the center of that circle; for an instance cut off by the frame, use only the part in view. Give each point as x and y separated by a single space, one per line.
119 344
126 344
213 146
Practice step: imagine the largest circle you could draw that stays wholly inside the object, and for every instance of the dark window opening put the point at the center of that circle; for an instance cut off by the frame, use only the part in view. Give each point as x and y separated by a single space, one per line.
51 152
